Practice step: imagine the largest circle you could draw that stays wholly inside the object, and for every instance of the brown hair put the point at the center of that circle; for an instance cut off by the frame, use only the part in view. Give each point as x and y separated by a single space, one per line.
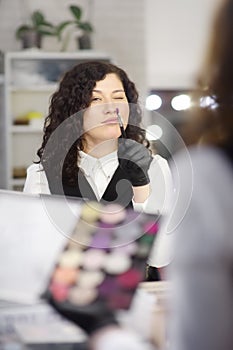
74 95
214 124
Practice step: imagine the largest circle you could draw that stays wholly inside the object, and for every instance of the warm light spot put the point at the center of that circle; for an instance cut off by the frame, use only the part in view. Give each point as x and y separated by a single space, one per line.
154 132
153 102
181 102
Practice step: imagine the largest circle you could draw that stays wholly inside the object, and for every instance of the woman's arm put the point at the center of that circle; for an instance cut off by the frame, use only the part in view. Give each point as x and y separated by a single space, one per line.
161 186
141 193
153 198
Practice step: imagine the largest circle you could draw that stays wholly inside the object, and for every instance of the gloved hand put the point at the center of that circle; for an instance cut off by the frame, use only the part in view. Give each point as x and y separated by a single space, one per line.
89 317
134 159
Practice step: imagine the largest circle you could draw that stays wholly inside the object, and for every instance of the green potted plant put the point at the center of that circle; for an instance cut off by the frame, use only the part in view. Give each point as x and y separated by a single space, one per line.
31 34
85 28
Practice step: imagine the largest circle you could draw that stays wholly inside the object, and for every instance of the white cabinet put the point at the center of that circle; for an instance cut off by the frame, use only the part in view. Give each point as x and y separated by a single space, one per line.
30 79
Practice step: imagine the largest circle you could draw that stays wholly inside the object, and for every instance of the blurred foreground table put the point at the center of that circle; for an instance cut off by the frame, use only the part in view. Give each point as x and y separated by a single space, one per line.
37 327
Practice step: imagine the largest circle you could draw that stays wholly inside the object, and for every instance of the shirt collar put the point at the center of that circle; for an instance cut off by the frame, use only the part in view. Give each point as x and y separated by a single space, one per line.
108 163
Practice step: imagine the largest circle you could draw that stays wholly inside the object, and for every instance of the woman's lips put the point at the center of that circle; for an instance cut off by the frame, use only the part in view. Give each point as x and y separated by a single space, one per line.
110 121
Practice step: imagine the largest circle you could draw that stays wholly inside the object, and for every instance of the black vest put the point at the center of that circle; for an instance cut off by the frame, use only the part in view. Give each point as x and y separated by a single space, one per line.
119 190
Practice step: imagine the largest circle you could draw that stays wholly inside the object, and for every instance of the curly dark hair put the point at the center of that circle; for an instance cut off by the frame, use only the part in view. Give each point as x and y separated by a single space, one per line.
72 97
213 125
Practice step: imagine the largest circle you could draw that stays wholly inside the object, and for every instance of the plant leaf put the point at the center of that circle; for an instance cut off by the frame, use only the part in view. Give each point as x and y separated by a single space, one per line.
47 24
21 30
76 11
61 27
37 18
46 32
86 26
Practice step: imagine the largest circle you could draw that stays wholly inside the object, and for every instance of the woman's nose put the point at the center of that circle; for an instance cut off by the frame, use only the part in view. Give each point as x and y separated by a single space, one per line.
109 107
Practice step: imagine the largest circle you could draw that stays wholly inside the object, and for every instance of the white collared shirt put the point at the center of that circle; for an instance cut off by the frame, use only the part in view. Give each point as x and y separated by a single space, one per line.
98 171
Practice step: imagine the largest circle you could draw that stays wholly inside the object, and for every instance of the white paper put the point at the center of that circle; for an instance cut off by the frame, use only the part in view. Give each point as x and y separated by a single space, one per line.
33 229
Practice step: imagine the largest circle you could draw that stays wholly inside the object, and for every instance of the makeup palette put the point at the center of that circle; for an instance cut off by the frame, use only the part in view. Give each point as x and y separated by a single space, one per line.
105 257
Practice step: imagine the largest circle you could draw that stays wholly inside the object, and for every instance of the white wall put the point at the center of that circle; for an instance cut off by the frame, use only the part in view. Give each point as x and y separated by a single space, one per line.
121 31
158 42
176 32
16 12
119 28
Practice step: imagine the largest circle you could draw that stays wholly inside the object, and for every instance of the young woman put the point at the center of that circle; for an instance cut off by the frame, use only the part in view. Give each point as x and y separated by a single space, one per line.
83 152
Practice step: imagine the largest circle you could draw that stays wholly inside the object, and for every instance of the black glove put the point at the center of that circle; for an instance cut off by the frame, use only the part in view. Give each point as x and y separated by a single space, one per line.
134 159
89 317
152 274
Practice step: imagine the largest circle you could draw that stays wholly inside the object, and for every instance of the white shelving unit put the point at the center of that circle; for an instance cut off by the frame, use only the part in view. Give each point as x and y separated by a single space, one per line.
30 79
2 135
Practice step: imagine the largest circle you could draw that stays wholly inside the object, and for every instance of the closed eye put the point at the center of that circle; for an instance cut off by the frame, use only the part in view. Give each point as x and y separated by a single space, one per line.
96 99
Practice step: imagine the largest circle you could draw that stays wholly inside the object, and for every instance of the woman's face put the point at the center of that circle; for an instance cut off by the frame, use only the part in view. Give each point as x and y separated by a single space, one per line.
100 119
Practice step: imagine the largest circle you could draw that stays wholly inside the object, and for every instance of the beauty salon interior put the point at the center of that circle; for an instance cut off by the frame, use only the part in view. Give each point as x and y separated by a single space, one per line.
97 175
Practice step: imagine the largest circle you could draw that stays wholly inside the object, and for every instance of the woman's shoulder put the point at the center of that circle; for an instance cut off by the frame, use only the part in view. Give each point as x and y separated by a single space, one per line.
158 158
159 162
35 167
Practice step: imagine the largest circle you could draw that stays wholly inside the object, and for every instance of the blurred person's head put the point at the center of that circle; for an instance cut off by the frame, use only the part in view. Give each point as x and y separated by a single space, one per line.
213 124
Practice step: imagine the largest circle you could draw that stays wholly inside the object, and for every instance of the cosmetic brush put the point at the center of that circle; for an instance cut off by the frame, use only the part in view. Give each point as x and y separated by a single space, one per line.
123 133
